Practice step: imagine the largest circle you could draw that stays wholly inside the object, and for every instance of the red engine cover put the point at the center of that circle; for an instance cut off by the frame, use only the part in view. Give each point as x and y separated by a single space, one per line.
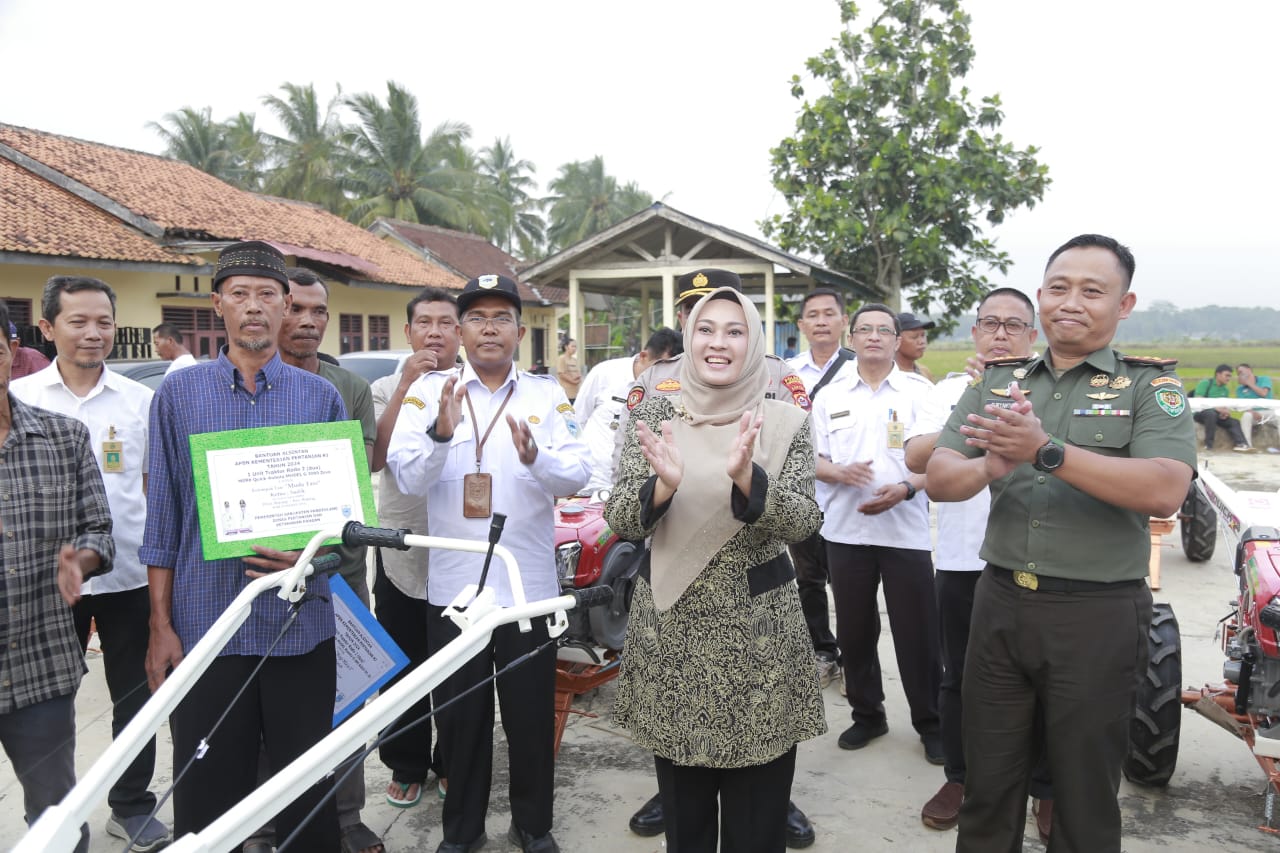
1260 583
583 522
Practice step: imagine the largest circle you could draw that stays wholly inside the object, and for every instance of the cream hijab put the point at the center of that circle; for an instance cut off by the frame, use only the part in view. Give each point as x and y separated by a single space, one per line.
700 519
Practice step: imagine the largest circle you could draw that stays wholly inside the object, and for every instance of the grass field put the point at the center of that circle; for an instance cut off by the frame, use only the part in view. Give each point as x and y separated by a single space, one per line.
1194 362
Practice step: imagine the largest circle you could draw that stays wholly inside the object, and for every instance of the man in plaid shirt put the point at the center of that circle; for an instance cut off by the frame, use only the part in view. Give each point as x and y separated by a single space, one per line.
55 531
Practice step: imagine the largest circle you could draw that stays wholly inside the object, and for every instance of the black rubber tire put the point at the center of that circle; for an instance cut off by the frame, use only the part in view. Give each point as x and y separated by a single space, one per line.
1157 718
1199 523
609 629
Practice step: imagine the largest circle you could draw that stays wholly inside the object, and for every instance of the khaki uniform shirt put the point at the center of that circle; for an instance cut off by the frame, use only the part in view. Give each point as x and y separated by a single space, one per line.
662 379
1108 404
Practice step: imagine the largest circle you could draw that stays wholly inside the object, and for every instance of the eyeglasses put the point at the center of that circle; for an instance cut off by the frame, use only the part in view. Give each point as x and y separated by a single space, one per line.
882 331
1012 328
502 322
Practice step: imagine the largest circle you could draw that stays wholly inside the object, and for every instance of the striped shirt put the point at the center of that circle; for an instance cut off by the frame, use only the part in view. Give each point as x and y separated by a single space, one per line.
211 397
51 493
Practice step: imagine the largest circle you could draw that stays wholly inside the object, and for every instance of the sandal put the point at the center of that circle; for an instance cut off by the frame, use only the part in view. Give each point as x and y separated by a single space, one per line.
398 794
358 837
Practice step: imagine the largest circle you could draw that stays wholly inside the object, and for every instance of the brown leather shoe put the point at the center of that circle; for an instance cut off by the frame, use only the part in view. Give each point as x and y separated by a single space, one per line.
1043 810
943 811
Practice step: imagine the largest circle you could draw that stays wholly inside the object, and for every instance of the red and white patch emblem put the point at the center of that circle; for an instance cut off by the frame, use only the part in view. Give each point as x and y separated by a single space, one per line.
795 385
634 398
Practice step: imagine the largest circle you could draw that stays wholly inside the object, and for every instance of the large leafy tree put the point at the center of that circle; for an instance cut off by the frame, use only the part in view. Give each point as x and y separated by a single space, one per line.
395 171
192 136
517 219
586 200
247 150
308 158
893 169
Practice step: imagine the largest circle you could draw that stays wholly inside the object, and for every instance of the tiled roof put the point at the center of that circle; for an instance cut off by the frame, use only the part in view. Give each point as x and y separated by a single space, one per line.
469 254
191 205
39 218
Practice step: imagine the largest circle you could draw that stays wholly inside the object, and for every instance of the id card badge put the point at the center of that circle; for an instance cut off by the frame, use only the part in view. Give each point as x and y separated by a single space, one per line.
897 430
112 457
477 492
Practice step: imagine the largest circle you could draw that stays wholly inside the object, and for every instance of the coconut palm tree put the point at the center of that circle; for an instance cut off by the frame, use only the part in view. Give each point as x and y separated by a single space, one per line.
247 151
192 136
517 223
587 200
309 157
393 171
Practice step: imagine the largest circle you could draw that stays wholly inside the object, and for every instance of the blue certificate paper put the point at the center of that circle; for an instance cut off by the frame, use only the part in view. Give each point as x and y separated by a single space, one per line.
367 656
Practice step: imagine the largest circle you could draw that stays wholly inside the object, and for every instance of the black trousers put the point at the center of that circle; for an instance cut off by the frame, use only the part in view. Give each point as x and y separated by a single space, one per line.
907 573
1211 421
123 631
810 559
409 755
1078 656
955 610
286 709
527 697
743 809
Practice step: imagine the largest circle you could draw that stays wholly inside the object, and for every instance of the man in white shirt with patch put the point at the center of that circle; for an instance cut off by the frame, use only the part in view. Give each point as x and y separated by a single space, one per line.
78 316
877 530
491 439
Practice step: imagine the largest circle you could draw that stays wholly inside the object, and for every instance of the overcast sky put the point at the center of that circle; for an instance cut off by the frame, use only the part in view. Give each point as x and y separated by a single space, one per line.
1155 118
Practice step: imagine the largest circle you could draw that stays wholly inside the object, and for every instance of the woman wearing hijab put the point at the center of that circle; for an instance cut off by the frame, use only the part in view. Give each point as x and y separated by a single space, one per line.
717 673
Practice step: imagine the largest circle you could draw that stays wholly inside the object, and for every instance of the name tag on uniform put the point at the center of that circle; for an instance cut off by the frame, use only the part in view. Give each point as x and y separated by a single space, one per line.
897 431
112 457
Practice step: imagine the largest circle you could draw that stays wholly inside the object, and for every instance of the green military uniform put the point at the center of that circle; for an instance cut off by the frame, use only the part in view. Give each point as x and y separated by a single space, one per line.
1061 614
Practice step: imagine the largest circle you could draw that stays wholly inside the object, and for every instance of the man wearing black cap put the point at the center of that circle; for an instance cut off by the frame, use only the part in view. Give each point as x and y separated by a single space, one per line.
663 379
288 703
484 440
912 343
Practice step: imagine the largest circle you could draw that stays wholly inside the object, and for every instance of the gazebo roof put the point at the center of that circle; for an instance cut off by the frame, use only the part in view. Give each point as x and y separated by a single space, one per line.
661 239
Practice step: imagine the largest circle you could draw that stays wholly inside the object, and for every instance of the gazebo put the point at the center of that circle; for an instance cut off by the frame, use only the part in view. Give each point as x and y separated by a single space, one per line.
644 254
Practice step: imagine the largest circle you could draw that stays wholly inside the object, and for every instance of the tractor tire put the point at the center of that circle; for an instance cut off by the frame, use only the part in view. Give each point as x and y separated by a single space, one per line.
1199 523
1157 718
609 622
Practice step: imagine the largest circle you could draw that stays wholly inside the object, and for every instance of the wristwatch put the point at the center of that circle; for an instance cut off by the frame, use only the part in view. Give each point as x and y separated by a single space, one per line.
911 490
1051 456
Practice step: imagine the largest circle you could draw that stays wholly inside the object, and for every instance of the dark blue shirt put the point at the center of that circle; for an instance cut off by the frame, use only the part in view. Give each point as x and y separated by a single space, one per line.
211 397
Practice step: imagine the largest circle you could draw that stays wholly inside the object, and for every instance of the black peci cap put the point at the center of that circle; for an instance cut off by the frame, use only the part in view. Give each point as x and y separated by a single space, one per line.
253 257
488 285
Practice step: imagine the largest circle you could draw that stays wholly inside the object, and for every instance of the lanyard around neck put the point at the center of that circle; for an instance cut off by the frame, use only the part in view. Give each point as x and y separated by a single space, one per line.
480 441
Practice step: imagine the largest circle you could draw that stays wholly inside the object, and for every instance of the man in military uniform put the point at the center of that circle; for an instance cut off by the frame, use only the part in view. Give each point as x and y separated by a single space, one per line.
663 379
1080 447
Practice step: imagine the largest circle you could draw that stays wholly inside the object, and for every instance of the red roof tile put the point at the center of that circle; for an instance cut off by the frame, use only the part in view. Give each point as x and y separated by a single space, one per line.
191 205
39 218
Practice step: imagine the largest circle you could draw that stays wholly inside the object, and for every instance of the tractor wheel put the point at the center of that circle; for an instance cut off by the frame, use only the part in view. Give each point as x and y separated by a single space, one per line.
1157 718
1199 526
609 621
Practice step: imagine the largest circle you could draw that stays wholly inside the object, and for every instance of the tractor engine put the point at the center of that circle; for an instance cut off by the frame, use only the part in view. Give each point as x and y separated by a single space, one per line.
1253 651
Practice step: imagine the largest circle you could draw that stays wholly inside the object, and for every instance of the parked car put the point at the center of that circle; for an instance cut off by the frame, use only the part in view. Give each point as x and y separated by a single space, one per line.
374 364
149 372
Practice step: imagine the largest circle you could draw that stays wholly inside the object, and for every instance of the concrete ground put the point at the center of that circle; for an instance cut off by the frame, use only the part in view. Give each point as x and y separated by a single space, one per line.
867 800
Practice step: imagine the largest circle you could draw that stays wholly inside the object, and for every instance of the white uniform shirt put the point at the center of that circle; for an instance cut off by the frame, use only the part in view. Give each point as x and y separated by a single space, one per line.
809 374
601 402
850 424
407 570
961 525
114 403
525 495
184 360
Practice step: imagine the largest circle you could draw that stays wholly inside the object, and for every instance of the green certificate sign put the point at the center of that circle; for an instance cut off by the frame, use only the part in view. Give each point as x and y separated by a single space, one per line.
278 486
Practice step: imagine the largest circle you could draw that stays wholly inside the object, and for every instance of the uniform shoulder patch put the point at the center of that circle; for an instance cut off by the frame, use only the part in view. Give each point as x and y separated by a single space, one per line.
1172 401
634 398
414 401
1149 360
799 395
1166 380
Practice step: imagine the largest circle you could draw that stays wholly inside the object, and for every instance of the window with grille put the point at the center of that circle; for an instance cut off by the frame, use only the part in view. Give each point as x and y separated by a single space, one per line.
379 331
351 329
202 330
